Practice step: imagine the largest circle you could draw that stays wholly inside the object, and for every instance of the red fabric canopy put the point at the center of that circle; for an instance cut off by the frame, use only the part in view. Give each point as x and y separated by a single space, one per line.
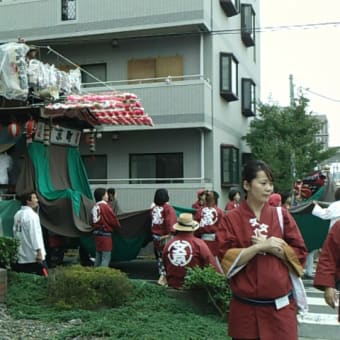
109 108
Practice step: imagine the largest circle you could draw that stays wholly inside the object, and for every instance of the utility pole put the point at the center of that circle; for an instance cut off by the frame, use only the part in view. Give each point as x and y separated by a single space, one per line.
291 90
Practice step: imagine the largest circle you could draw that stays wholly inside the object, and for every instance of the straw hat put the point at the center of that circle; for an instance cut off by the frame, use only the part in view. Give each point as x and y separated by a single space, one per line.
186 222
5 147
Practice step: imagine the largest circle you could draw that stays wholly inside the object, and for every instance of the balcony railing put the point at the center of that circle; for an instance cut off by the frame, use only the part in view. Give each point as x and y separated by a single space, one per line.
171 101
115 84
123 181
133 197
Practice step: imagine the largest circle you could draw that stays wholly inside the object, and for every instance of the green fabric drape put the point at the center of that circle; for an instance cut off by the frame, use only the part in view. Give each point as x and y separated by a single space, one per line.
40 157
77 172
7 212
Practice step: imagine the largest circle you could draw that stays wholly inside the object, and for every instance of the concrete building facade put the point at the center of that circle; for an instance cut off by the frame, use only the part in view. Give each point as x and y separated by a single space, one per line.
193 63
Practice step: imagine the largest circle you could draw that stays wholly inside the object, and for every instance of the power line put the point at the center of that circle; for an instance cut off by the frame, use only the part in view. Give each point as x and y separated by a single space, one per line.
238 30
280 28
321 95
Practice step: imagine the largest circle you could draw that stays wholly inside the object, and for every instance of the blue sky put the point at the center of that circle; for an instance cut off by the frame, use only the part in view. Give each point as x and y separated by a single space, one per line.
311 55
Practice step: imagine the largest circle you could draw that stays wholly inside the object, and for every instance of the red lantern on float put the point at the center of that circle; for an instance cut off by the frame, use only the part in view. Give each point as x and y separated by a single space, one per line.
30 127
13 129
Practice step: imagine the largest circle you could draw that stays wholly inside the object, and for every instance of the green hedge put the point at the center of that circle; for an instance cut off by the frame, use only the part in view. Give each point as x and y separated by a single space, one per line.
88 287
8 251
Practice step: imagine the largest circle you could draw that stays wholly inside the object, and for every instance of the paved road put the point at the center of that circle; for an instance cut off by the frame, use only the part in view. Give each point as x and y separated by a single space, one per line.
145 269
320 323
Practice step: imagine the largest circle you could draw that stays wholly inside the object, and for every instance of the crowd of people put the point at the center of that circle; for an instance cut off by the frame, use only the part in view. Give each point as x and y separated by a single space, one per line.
250 242
258 250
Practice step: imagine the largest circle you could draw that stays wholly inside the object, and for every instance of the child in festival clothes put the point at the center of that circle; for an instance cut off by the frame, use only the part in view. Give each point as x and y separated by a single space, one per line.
234 200
256 257
210 219
200 199
163 218
104 222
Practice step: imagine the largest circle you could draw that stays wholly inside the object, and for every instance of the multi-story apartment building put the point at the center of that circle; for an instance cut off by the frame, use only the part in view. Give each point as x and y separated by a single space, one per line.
323 136
193 63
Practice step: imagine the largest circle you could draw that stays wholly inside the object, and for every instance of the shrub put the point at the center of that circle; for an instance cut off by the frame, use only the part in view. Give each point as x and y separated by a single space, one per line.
214 283
8 251
149 305
87 287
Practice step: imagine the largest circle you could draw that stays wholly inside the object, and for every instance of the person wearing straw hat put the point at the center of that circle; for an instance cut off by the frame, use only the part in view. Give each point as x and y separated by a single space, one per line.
185 250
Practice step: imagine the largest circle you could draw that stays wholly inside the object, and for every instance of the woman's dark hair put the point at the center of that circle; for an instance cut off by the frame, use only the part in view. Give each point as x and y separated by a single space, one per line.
232 194
337 194
284 197
99 193
161 196
111 191
251 169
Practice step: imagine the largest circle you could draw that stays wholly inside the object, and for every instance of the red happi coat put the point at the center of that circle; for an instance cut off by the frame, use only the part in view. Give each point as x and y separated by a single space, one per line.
104 219
197 205
265 276
163 218
328 268
231 205
210 221
182 251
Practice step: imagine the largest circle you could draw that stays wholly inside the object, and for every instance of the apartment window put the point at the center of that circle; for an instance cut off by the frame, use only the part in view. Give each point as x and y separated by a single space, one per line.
68 10
230 7
160 168
96 166
160 68
93 73
248 98
230 165
228 76
248 25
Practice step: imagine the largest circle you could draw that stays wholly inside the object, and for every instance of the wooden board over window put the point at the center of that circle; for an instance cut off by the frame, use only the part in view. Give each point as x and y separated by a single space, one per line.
160 67
169 66
141 69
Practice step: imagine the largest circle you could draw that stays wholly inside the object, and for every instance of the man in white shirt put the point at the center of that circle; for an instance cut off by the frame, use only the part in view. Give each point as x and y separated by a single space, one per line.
332 213
27 228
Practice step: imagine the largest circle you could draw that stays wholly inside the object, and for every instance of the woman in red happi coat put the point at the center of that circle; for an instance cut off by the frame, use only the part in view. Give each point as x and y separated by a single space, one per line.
210 219
255 259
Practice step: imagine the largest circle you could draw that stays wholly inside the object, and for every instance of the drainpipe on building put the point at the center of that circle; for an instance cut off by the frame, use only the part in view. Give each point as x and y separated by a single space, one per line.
202 156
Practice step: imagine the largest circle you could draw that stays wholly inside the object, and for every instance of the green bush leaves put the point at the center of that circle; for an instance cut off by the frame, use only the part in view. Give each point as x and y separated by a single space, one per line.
8 251
215 284
88 287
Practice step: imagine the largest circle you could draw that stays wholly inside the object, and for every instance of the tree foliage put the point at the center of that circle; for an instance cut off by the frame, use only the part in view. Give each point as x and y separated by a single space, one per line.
285 138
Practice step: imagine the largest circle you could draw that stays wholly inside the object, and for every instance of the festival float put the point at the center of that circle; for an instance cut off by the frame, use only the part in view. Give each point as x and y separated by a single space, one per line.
43 116
317 186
